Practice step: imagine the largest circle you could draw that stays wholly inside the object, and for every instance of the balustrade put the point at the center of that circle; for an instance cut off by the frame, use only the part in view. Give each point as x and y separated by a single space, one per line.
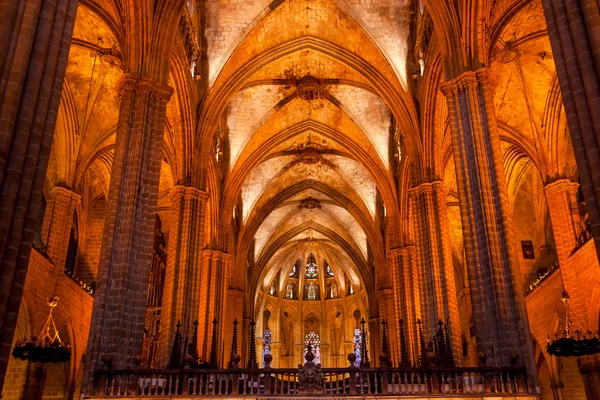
335 382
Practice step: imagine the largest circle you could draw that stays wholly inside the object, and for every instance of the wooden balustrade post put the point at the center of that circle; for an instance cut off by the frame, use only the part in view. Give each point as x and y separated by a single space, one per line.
236 383
185 377
101 383
267 381
384 382
352 382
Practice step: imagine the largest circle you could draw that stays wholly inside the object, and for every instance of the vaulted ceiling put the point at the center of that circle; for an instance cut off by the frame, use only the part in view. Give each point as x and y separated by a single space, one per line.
310 92
316 106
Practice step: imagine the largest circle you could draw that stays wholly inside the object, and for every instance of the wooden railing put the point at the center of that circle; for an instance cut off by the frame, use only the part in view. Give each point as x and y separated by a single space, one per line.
338 382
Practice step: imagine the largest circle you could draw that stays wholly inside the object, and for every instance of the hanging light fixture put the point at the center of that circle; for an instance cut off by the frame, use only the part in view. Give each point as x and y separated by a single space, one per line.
574 343
47 347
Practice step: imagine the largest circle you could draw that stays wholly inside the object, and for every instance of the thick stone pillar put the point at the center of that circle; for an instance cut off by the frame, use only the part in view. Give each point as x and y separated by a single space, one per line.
213 302
434 258
561 197
501 324
181 298
127 243
589 367
573 27
36 37
56 229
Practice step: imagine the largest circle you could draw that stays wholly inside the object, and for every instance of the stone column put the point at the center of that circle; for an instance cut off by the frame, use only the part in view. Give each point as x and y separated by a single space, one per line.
589 367
118 317
212 298
181 298
575 39
58 219
434 256
389 311
234 310
402 264
36 37
501 324
561 197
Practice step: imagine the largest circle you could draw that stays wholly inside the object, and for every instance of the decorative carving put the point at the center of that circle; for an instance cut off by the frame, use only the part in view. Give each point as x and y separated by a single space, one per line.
310 375
190 44
309 88
134 83
309 156
310 203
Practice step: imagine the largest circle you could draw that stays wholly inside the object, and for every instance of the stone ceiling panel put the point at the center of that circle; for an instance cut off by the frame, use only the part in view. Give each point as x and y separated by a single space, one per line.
259 179
89 27
247 109
370 113
356 174
389 23
318 19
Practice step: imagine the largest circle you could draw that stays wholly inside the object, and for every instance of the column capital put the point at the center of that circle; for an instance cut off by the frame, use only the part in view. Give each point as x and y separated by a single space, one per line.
401 251
427 187
216 255
134 83
188 192
62 192
395 252
561 185
465 80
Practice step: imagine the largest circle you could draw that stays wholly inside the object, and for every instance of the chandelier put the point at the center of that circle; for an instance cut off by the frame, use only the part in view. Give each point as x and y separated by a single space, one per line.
573 343
47 347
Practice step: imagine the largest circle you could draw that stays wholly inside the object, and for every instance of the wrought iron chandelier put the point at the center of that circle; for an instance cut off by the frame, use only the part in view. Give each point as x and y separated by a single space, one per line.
574 343
47 347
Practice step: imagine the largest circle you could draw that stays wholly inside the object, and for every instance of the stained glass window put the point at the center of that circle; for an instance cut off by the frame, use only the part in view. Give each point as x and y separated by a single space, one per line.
266 347
329 271
315 342
357 343
311 267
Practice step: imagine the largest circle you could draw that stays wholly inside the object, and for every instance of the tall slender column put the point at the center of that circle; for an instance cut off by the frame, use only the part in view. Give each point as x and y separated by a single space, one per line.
402 263
434 254
36 37
121 291
212 297
389 311
182 277
501 324
56 228
234 310
575 39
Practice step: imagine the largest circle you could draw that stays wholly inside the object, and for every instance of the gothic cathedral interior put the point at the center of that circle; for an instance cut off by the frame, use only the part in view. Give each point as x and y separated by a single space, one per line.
295 198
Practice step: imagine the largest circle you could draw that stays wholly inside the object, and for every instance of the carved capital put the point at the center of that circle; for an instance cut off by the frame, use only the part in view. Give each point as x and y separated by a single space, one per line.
428 187
134 83
188 192
215 255
561 185
127 83
59 193
464 81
